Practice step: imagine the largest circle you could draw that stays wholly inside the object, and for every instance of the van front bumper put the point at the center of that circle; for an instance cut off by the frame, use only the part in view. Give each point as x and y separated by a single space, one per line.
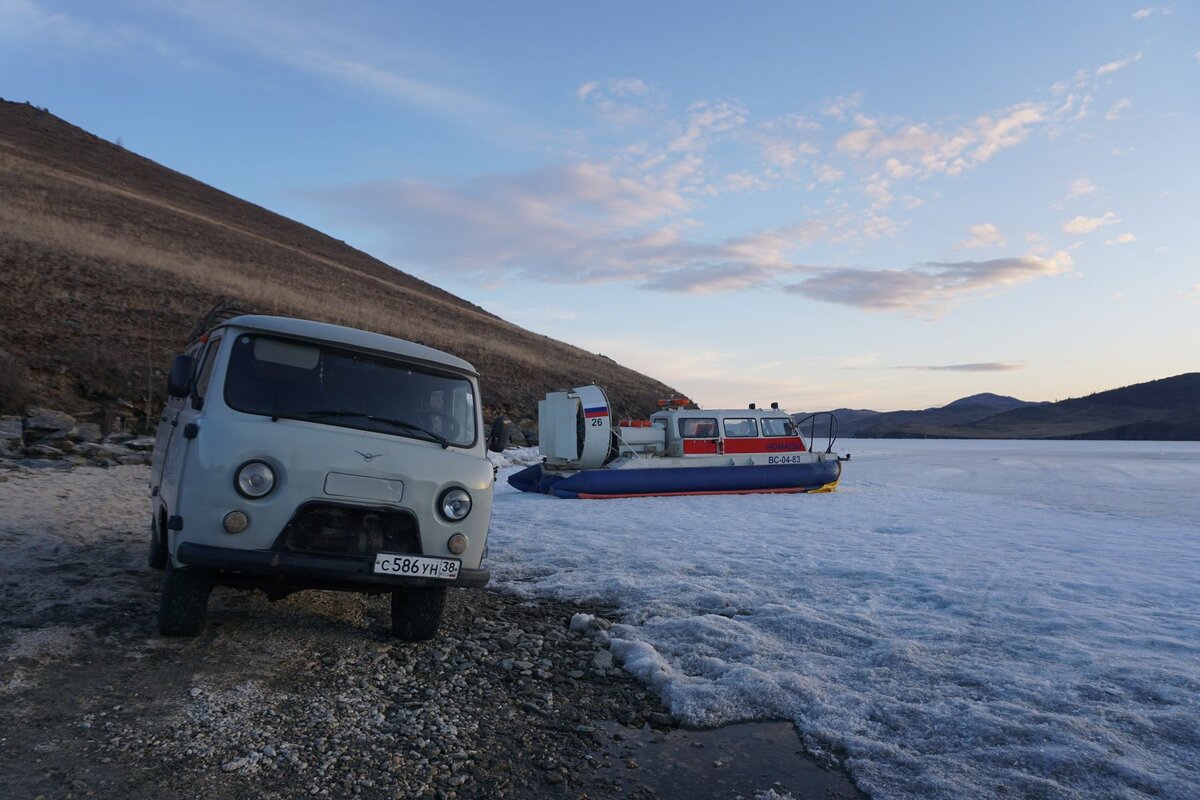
265 568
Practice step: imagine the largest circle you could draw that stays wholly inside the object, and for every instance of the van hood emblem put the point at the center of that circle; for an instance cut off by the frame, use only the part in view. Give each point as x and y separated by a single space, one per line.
368 456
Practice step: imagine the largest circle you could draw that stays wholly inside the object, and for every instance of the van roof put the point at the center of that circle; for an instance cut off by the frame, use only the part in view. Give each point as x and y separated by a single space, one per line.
349 337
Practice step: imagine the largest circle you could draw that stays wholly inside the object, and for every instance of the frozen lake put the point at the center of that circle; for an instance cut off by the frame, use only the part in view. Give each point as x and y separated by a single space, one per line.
960 619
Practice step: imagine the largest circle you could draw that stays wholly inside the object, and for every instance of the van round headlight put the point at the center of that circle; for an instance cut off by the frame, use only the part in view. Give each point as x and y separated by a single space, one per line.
455 504
255 479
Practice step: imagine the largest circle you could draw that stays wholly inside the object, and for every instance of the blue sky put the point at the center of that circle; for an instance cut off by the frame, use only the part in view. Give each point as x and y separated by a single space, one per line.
868 205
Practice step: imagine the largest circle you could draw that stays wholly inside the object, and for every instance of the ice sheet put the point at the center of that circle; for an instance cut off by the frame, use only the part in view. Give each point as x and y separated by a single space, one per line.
960 619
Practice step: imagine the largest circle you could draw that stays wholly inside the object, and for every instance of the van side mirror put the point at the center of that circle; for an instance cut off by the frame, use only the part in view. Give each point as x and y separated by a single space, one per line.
498 439
179 380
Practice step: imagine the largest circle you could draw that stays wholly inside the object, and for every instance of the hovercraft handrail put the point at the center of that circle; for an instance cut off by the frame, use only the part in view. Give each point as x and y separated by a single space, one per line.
831 431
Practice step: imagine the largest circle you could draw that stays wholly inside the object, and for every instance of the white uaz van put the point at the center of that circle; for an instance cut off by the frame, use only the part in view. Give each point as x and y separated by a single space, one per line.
301 455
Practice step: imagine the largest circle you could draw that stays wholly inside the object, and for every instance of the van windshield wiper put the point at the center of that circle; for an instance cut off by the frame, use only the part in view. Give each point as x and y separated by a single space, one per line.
397 423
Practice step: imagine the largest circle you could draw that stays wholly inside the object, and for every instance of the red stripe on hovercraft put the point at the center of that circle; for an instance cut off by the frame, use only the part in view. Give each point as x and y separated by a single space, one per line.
790 444
589 496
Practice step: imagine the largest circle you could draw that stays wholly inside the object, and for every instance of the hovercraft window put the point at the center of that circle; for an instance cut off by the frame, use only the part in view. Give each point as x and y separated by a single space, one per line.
778 426
698 428
742 426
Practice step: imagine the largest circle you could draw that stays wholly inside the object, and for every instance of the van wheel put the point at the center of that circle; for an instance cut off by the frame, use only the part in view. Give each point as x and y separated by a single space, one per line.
183 608
417 612
157 556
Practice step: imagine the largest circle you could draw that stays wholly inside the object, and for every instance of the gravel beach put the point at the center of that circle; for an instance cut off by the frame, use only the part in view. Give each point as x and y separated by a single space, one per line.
310 696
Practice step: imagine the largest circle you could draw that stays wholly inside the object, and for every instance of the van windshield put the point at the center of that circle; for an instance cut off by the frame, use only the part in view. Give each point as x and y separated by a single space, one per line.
301 380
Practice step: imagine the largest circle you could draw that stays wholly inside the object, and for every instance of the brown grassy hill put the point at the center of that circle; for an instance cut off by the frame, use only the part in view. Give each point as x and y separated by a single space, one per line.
107 259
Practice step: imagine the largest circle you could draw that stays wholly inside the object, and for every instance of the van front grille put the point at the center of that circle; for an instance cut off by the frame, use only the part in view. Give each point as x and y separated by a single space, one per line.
349 531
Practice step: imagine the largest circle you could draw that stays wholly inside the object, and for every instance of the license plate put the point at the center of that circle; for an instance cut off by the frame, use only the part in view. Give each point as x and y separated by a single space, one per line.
445 569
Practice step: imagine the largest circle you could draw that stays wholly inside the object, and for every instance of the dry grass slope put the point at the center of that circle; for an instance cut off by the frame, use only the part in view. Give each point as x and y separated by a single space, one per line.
107 259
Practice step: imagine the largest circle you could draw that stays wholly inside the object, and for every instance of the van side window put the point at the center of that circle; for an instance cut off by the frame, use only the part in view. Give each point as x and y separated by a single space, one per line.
698 428
741 427
206 368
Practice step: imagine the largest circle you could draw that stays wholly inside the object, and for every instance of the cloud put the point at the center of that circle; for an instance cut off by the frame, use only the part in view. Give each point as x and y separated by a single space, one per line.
840 107
898 170
723 378
986 366
363 61
1113 66
879 190
877 227
785 142
827 173
921 148
928 287
705 118
857 143
1146 13
1118 107
616 87
622 102
1078 226
859 362
983 235
1124 238
744 182
578 222
24 19
786 154
26 23
1080 187
587 222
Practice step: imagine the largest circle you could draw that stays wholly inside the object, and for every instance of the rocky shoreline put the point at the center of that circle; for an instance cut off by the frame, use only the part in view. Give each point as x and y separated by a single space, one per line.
311 696
505 703
48 439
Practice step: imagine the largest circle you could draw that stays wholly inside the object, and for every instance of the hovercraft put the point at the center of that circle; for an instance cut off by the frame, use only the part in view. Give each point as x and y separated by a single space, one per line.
677 451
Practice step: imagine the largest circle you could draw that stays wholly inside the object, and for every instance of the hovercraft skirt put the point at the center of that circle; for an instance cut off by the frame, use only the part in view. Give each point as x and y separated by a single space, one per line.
612 483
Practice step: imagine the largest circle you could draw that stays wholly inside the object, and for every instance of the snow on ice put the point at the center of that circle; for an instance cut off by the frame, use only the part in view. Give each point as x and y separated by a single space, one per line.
960 619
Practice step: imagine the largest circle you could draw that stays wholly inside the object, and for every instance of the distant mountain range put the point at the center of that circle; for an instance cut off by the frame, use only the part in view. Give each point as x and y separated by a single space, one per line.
1166 409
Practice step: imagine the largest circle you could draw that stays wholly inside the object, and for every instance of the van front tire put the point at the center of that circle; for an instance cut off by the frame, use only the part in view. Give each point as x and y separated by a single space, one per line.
417 612
183 607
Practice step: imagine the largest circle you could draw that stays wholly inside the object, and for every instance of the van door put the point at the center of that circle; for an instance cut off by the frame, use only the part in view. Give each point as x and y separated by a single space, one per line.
162 440
183 412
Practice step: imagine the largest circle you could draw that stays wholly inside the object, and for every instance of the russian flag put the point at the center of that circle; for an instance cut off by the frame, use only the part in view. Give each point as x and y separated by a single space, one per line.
598 411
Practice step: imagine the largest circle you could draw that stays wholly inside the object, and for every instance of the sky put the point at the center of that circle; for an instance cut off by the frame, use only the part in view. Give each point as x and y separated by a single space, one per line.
866 205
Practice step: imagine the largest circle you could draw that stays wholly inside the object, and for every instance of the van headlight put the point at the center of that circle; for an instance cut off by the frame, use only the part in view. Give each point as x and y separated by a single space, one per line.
255 479
455 504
